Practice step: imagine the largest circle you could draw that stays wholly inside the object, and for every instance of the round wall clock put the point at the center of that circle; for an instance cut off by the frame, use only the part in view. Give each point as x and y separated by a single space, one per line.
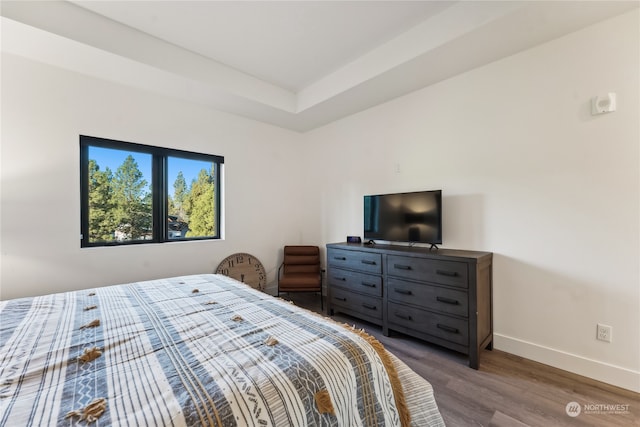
245 268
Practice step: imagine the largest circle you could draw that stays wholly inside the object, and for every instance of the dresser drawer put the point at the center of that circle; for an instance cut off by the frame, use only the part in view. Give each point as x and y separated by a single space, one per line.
362 261
438 325
355 281
449 273
353 302
430 297
442 296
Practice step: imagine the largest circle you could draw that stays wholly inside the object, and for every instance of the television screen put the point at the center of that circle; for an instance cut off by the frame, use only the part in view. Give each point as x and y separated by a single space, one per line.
404 217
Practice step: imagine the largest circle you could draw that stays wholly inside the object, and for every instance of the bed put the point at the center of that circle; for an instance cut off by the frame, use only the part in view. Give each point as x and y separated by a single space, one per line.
196 350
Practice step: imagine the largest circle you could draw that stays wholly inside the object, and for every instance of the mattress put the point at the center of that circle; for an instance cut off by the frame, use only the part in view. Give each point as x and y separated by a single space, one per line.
196 350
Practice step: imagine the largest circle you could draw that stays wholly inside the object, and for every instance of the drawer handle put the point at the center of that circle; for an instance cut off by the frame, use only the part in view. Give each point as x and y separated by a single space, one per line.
369 306
446 273
340 299
447 300
402 267
403 316
366 261
369 285
403 291
342 279
447 328
340 258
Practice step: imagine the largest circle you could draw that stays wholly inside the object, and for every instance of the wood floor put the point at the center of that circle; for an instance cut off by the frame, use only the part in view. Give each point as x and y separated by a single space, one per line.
507 390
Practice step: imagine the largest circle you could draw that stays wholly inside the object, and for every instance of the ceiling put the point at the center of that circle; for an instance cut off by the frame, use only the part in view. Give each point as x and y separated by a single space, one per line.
294 64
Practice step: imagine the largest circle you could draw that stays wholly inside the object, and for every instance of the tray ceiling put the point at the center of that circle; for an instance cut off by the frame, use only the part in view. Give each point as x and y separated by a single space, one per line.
295 64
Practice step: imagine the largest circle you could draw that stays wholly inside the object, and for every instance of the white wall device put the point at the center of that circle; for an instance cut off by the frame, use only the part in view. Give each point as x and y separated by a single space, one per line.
603 104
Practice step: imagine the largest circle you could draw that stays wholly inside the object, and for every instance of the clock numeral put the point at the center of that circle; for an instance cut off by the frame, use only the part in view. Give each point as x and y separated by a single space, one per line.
244 267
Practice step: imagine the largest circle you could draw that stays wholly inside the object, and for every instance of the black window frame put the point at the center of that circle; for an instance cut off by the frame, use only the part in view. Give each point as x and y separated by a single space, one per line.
159 189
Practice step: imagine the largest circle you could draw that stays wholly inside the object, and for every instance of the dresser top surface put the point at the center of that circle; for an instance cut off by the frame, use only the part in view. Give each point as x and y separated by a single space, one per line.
420 251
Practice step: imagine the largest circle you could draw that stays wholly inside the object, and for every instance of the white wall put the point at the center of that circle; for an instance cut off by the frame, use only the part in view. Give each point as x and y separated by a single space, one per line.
45 109
528 174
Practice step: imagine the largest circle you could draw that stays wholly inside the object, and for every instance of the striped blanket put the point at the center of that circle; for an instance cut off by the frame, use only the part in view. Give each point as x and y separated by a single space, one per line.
200 350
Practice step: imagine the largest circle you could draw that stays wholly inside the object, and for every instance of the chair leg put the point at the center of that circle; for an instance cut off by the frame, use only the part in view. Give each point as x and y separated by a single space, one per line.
321 303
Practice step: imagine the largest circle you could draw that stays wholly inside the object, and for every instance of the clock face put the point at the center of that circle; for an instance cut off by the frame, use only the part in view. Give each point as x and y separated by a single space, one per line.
245 268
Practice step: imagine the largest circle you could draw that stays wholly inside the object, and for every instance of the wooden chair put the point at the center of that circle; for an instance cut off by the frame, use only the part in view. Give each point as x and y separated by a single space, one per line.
300 270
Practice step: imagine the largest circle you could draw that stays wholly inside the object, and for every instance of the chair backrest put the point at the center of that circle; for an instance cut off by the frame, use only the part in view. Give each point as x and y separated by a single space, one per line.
301 259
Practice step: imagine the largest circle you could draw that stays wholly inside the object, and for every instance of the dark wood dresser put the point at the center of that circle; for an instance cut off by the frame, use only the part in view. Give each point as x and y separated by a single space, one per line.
443 296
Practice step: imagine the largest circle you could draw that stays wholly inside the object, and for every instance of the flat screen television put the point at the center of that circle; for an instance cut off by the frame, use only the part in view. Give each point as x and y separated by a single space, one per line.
404 217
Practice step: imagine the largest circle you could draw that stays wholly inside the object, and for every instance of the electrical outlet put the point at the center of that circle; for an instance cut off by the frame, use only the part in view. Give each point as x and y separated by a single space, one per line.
603 333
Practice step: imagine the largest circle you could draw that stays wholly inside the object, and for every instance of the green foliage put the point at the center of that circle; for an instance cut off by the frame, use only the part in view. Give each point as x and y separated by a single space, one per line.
102 222
199 205
133 202
120 204
180 192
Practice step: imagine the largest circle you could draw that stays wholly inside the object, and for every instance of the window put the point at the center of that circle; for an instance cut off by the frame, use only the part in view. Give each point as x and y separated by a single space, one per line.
133 193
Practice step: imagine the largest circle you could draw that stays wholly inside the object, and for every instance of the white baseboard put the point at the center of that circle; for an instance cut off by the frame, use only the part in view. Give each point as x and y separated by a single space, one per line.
600 371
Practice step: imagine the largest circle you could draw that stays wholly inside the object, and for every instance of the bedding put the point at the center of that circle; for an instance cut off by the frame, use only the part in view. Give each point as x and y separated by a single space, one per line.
196 350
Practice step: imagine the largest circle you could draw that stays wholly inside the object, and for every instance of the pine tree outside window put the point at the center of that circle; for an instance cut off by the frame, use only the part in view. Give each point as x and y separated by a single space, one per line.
133 193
